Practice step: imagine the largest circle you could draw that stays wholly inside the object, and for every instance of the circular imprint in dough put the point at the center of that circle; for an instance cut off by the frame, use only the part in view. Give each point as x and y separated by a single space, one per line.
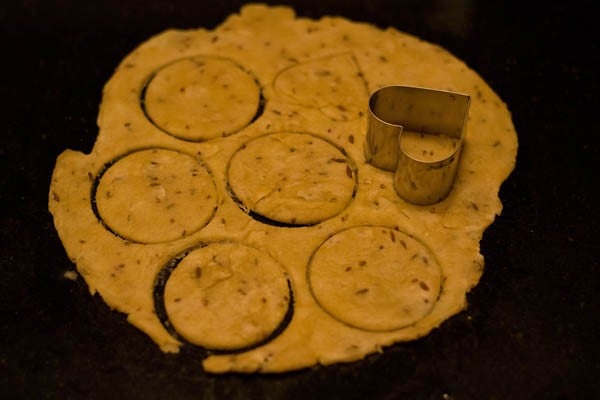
292 178
227 296
155 195
375 278
201 98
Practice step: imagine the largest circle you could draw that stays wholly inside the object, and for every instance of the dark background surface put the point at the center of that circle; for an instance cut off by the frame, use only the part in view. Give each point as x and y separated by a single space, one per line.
529 330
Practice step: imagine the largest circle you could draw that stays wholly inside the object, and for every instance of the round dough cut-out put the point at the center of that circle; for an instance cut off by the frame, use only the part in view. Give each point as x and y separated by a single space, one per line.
375 278
227 296
292 178
201 98
332 84
156 195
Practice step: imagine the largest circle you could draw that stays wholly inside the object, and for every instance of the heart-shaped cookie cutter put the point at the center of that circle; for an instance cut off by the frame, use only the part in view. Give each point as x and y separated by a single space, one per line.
404 125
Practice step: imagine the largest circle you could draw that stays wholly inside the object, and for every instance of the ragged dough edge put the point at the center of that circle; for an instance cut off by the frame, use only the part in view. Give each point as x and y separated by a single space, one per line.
97 259
312 336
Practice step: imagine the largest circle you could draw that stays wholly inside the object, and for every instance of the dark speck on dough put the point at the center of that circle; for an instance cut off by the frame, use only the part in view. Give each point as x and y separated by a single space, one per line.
348 171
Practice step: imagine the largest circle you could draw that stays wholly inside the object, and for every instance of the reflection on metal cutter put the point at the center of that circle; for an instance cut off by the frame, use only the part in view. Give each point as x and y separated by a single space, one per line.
418 134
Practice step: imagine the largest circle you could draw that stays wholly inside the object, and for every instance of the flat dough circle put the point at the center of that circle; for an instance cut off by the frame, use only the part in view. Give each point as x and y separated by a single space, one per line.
156 195
226 296
201 98
332 84
295 178
375 278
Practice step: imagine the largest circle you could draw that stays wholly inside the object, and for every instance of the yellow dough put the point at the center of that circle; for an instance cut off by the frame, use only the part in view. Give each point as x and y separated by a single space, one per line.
156 196
374 278
229 173
295 178
184 98
221 280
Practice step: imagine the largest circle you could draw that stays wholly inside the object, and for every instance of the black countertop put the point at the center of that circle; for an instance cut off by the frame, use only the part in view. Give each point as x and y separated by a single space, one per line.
529 331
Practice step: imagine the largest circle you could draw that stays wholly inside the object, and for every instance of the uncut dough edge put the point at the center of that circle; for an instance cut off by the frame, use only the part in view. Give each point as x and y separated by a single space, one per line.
452 228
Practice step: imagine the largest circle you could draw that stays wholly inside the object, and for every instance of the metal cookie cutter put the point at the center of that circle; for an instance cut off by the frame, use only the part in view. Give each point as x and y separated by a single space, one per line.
418 134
